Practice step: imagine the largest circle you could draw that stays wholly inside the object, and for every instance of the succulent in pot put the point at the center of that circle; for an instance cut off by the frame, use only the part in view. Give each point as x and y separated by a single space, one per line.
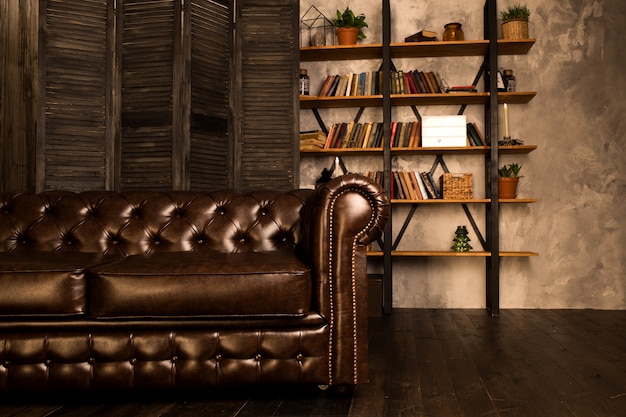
507 181
348 22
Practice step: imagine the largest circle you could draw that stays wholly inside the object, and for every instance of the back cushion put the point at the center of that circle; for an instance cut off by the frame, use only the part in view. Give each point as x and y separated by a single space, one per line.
147 222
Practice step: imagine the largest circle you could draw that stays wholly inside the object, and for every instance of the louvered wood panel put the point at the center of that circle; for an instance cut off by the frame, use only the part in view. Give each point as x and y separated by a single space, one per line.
73 136
268 156
147 87
210 160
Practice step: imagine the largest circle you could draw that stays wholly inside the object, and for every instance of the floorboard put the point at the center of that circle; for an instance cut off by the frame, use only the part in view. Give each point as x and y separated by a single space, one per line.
424 363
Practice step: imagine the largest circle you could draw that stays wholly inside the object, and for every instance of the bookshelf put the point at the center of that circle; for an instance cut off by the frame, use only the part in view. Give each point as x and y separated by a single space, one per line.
489 48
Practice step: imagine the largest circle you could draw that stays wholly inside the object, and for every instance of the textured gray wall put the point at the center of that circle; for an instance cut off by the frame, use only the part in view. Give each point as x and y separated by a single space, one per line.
577 67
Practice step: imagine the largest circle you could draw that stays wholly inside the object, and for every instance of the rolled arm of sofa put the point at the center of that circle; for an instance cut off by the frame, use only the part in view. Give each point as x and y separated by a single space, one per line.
341 218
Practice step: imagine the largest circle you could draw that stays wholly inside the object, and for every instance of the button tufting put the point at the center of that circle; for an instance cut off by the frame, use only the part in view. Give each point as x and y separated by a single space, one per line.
91 361
258 357
133 361
299 357
218 358
48 362
174 359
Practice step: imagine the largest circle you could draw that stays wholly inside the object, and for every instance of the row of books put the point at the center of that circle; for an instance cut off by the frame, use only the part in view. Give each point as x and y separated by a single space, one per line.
370 135
410 185
417 82
352 84
370 83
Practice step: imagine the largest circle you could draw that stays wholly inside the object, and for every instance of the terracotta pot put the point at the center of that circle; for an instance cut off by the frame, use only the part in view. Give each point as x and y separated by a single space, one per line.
347 36
507 187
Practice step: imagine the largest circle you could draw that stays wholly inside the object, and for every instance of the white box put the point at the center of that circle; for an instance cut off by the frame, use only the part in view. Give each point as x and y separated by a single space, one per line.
444 131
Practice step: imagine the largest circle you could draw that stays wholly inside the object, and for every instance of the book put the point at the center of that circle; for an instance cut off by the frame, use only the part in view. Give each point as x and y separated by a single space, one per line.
402 135
481 138
349 85
341 131
433 86
462 89
422 186
409 185
392 133
429 184
413 135
366 135
330 136
332 89
419 82
422 36
410 81
377 136
326 86
312 140
416 186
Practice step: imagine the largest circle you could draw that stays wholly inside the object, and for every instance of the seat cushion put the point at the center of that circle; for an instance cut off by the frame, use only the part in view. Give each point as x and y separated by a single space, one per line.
45 283
200 284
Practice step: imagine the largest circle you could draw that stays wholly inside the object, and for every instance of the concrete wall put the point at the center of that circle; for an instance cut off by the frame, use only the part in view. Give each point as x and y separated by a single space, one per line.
577 67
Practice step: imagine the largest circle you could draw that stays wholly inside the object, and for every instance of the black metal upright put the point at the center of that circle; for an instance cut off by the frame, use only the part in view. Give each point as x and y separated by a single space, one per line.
491 161
386 68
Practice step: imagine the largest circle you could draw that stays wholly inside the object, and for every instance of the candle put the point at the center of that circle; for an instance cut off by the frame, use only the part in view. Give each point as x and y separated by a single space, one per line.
506 121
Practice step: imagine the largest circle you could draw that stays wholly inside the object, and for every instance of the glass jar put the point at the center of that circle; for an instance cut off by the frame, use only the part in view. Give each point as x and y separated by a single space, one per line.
453 32
304 82
509 80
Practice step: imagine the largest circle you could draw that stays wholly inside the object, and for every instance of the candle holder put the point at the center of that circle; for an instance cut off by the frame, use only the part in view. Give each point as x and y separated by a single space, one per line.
508 141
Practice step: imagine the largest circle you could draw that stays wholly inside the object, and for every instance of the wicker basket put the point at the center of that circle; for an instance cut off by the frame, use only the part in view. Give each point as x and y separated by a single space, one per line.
515 29
456 186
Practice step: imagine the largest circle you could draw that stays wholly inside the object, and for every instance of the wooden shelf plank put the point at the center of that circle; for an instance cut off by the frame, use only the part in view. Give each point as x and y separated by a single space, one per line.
451 254
312 102
341 52
414 50
466 150
468 201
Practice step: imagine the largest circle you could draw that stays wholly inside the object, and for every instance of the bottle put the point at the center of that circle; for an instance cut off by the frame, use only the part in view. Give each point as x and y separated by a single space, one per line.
509 80
304 83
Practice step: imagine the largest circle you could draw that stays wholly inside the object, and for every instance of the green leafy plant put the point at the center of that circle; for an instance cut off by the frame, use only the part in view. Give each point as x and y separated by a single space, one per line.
347 19
510 170
517 12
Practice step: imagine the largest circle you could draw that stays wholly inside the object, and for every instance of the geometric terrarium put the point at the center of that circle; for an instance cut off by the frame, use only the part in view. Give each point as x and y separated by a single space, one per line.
316 29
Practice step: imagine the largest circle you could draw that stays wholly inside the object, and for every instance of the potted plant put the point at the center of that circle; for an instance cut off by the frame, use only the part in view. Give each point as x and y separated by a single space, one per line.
349 27
515 22
507 181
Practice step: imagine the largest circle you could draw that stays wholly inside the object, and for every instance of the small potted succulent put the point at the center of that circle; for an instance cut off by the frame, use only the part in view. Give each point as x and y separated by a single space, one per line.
507 181
515 22
349 27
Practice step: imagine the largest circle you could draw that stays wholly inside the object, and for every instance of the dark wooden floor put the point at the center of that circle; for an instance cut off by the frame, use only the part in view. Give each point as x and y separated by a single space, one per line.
527 363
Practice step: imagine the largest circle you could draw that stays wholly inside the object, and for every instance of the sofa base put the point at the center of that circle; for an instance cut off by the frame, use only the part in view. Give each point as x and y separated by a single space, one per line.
142 356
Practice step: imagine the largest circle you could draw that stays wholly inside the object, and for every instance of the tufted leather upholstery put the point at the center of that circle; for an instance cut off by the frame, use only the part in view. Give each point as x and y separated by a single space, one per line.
146 290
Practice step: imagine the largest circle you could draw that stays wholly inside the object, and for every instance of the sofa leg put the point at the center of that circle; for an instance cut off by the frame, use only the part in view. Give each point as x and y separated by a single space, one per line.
341 390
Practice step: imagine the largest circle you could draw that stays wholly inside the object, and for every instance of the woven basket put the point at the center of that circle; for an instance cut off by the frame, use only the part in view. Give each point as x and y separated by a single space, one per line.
515 29
456 186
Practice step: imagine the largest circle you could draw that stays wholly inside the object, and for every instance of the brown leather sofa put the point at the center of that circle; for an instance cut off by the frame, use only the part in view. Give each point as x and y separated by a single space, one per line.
182 290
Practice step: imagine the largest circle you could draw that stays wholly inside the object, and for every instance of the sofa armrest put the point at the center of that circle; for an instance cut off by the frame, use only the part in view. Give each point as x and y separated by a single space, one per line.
341 218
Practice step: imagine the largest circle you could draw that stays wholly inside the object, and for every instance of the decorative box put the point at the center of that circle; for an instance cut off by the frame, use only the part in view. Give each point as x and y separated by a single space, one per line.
444 131
456 186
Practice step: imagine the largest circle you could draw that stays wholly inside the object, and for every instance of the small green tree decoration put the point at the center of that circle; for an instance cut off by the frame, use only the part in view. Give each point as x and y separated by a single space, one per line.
461 240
